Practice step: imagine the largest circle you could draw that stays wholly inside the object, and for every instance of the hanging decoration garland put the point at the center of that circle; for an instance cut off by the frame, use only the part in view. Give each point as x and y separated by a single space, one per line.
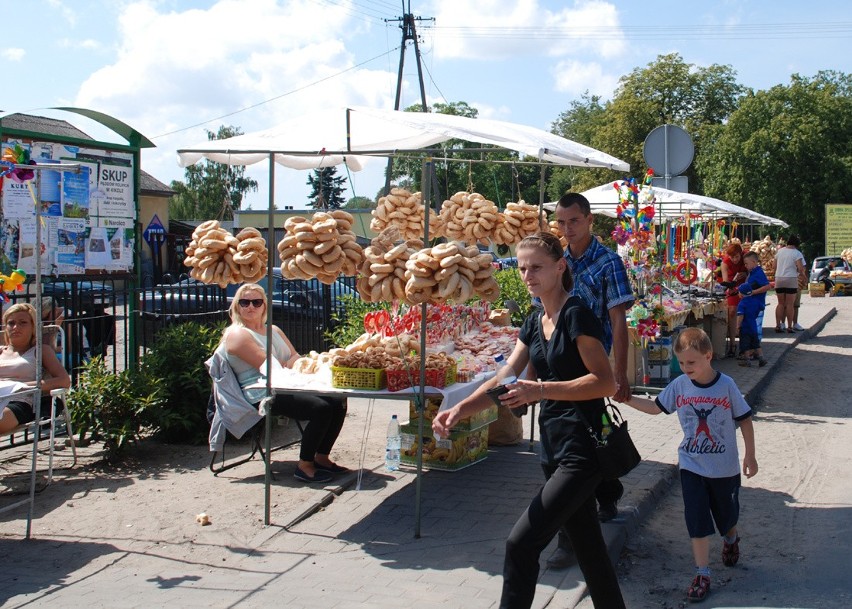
635 223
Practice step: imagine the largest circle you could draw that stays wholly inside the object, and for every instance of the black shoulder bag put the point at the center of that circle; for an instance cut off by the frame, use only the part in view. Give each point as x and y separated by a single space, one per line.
615 451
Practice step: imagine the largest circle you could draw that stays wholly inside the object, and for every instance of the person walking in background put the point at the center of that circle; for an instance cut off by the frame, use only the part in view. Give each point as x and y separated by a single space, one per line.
601 282
752 303
709 406
733 274
789 268
562 342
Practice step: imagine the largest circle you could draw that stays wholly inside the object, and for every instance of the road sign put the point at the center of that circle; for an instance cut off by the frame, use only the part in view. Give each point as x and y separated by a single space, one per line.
668 150
155 232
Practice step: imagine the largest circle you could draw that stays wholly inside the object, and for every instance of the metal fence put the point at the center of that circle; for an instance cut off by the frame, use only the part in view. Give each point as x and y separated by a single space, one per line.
304 310
92 314
97 319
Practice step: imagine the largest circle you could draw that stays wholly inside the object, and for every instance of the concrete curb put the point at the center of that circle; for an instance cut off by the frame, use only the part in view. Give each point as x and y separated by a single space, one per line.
752 395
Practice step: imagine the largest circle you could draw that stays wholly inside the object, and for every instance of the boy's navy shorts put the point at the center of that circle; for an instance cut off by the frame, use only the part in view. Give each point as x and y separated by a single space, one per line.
709 500
749 342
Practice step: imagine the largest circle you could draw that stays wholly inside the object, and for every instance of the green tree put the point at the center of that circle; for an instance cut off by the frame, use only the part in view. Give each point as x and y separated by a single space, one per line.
360 203
786 152
211 190
667 90
326 188
501 178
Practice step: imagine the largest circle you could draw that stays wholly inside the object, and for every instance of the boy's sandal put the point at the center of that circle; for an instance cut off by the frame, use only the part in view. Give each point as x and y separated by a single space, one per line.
742 356
745 363
699 589
730 552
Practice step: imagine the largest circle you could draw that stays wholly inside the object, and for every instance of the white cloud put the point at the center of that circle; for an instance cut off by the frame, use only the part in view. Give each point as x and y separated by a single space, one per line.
89 44
13 54
574 77
499 29
67 13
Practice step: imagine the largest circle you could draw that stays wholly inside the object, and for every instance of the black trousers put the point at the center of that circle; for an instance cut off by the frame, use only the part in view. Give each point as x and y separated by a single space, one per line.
566 500
324 416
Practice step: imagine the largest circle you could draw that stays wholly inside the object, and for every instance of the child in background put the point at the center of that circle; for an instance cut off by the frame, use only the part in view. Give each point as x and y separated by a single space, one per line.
752 302
709 406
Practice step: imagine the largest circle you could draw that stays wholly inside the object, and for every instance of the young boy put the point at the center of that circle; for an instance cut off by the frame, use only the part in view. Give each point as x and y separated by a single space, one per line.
709 406
752 302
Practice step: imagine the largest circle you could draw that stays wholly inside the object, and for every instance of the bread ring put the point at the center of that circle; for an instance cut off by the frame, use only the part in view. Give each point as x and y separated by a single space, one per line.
305 235
324 246
334 266
396 252
382 268
313 258
252 243
398 288
451 260
329 235
248 232
325 225
387 289
206 226
292 221
302 226
214 244
333 254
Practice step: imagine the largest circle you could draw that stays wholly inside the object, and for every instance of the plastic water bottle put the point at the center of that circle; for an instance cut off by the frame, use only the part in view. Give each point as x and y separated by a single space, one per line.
606 428
393 446
501 364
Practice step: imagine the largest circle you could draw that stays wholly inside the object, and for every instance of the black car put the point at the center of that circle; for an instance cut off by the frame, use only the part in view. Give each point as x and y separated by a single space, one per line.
304 310
89 315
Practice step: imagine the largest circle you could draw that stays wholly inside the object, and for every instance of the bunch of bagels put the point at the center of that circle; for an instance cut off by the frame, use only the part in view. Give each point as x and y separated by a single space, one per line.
395 266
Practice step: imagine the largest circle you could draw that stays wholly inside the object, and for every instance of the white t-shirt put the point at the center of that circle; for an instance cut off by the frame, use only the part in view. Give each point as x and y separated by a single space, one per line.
785 262
707 414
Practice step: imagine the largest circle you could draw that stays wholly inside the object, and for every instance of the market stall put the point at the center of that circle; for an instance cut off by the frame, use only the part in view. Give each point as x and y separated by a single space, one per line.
350 136
671 242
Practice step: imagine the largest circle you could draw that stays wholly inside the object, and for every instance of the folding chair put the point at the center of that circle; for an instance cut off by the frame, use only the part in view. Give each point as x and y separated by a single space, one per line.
228 411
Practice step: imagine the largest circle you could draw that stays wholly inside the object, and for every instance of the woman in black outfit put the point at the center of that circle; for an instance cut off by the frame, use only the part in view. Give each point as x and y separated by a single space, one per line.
564 345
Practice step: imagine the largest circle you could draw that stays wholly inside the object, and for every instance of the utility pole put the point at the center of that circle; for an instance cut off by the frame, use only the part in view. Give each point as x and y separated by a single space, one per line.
409 32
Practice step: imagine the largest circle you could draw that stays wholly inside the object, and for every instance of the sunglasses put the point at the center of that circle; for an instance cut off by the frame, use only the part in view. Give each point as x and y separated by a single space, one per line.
255 302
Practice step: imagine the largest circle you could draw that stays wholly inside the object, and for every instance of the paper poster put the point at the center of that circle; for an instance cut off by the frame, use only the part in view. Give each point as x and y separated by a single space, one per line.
18 201
116 183
9 244
49 189
98 249
28 246
75 193
71 245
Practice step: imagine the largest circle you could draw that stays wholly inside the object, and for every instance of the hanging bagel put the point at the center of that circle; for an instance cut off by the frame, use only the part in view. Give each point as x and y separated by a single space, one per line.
686 272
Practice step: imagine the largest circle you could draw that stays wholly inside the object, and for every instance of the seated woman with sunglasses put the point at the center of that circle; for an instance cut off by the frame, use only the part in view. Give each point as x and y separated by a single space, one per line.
244 344
18 364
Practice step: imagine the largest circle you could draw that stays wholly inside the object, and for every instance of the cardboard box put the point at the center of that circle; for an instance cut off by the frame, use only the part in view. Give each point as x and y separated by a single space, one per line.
481 418
816 289
460 450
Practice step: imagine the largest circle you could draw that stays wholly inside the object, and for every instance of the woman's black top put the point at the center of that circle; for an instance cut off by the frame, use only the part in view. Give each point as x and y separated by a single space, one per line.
564 437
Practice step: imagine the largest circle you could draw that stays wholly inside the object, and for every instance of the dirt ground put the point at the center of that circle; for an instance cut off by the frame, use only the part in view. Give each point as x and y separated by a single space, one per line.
155 494
795 513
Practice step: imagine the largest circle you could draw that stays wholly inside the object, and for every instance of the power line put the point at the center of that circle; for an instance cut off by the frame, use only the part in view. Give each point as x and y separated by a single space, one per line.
277 97
757 31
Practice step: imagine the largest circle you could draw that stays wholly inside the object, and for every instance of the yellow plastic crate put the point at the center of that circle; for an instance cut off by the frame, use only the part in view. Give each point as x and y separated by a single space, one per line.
358 378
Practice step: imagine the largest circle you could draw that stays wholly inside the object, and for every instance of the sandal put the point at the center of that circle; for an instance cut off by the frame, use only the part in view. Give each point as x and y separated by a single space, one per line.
730 552
699 589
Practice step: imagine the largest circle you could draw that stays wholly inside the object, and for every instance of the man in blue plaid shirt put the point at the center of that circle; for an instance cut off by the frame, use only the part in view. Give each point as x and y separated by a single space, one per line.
601 281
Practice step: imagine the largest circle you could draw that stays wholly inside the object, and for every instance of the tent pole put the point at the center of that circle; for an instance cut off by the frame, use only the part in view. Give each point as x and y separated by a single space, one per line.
270 244
421 399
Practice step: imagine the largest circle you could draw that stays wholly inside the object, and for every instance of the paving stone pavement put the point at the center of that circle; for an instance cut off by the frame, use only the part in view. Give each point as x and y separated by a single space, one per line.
357 548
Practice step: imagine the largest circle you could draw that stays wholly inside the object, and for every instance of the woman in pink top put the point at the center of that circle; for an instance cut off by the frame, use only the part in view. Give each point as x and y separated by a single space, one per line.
18 363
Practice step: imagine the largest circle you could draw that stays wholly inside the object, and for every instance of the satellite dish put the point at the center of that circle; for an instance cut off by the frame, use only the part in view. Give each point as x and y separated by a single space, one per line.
668 150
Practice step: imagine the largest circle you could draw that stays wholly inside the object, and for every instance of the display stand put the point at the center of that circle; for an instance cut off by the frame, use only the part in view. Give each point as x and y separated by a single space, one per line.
313 142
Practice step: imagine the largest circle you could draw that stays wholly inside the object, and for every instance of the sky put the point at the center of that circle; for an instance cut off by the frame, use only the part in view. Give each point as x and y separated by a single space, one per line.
175 69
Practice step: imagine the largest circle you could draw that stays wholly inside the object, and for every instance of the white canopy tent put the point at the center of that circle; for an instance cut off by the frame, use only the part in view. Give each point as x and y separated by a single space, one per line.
670 204
351 136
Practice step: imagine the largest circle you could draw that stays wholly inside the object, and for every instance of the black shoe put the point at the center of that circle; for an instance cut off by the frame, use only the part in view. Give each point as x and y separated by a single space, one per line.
319 476
561 559
607 511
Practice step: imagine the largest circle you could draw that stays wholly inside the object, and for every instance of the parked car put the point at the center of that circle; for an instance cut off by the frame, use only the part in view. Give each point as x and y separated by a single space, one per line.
303 309
508 263
820 262
89 320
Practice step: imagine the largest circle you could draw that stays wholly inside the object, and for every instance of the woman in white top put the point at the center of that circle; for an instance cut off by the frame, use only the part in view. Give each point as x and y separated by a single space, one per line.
245 349
18 363
789 267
